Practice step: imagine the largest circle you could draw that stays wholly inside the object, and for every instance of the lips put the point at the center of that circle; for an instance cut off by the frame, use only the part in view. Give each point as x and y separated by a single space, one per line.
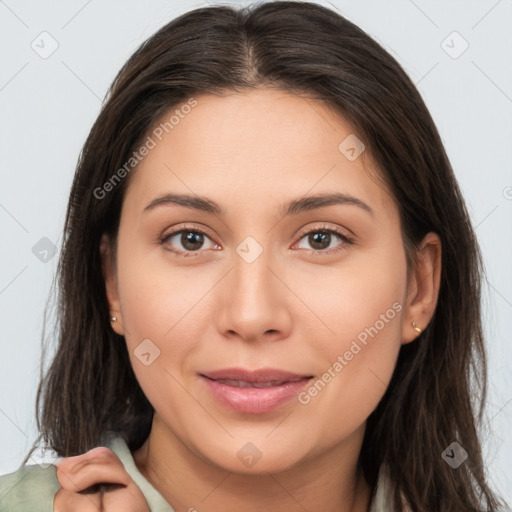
253 391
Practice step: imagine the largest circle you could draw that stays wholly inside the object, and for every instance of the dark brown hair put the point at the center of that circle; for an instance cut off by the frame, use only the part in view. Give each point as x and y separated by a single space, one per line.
437 392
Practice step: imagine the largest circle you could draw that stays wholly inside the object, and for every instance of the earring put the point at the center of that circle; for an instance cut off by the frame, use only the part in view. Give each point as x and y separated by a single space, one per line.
416 328
113 319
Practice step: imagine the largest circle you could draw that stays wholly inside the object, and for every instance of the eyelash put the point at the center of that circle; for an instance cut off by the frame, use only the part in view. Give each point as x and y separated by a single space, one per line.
317 229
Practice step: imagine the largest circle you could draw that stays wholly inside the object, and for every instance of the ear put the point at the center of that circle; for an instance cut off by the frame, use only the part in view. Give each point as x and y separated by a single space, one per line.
110 277
423 289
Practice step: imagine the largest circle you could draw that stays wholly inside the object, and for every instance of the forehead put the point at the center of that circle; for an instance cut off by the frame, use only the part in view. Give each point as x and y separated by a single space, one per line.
253 146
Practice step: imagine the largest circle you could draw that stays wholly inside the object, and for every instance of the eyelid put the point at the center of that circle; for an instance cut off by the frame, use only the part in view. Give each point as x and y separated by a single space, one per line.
323 226
188 227
345 235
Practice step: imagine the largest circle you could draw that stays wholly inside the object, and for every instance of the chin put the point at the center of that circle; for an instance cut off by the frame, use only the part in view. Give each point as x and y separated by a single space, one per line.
254 458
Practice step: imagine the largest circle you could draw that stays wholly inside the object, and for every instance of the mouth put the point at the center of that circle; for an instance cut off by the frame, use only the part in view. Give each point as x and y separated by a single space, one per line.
253 392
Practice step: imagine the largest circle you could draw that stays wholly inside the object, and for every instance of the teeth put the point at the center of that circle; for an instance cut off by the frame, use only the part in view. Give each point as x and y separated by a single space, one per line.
243 384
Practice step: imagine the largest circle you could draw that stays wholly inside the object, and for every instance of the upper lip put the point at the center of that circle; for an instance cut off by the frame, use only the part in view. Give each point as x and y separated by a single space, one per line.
261 375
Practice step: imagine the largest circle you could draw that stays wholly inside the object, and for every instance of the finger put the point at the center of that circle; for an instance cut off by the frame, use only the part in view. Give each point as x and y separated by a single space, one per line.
98 468
92 474
99 454
129 499
84 473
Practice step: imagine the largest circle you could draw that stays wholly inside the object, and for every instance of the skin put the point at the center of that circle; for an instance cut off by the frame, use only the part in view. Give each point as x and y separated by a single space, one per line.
293 308
100 464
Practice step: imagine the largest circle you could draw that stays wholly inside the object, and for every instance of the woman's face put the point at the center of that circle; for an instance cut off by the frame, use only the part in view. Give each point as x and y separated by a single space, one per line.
261 281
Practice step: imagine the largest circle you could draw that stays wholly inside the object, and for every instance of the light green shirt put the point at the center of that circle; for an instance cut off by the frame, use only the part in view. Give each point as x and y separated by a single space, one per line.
32 488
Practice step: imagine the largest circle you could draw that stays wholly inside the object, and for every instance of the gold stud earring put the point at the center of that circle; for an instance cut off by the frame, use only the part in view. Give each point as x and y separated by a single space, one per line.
417 329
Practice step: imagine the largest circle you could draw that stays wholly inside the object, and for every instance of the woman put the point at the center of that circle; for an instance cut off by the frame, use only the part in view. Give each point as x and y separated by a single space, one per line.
269 285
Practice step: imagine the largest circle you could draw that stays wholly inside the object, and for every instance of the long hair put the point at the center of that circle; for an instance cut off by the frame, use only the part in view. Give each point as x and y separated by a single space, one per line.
437 392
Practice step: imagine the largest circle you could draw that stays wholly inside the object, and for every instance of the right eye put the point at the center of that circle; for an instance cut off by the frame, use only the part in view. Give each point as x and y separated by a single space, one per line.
187 241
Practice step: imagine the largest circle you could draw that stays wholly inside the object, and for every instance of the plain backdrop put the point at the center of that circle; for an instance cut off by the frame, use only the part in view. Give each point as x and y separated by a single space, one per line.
59 57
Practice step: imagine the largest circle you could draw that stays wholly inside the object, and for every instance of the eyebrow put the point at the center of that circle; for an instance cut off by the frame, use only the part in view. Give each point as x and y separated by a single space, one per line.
294 207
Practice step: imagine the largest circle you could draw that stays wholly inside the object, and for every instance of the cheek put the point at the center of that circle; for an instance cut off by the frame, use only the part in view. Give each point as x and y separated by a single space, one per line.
158 299
361 304
159 332
364 294
163 309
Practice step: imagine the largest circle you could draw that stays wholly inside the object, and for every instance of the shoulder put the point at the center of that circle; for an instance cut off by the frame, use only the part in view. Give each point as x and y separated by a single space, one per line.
30 488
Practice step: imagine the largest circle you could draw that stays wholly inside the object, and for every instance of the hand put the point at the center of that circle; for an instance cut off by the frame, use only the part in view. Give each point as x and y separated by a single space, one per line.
97 481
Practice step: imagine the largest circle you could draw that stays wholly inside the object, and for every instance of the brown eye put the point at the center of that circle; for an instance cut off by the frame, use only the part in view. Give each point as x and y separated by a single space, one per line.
191 240
323 240
319 240
187 241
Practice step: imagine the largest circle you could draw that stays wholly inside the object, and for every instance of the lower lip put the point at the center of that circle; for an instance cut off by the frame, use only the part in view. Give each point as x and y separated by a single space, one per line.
254 400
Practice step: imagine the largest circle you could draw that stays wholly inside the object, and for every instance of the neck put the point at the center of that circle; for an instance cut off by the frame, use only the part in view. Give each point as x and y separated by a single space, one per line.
330 481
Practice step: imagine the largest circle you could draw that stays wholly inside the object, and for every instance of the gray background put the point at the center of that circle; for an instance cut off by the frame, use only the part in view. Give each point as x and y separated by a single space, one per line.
48 106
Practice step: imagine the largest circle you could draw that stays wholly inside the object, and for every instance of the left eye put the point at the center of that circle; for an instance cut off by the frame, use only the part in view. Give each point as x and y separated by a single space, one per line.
320 239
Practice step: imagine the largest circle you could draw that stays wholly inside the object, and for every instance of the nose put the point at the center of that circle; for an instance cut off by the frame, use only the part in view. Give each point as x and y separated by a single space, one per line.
254 304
